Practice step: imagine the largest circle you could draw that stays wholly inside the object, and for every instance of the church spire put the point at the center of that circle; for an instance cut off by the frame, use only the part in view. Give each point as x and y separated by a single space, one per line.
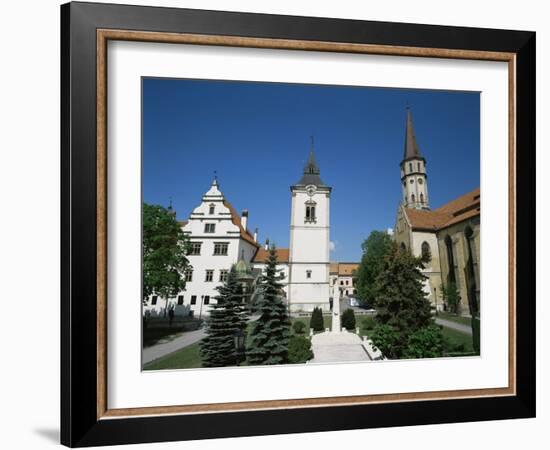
311 168
411 147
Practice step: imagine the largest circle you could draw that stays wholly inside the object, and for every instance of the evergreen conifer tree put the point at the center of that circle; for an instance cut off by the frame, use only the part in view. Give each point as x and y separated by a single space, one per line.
270 333
227 315
401 302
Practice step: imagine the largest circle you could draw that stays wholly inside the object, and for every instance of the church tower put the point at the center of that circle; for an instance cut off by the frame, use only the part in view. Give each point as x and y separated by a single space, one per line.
413 171
309 257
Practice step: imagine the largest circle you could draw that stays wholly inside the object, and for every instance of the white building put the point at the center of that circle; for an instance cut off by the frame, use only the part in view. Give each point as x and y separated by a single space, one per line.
219 237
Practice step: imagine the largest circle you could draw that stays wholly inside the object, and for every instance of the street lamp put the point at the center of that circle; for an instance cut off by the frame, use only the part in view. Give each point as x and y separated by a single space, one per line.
239 344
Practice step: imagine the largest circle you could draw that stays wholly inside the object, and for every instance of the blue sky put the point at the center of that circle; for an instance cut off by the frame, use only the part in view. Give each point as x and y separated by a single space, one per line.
257 137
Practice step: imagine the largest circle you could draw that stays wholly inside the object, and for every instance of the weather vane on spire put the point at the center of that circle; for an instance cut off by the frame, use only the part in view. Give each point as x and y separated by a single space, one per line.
311 137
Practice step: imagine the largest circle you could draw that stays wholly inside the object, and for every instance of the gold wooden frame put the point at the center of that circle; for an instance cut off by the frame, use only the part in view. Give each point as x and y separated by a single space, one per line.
103 36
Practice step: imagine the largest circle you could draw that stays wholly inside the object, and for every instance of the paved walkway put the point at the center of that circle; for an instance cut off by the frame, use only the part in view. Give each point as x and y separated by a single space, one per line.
160 350
455 326
337 347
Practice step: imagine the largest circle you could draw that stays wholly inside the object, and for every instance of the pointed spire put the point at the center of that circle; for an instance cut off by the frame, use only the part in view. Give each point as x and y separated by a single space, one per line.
311 168
411 147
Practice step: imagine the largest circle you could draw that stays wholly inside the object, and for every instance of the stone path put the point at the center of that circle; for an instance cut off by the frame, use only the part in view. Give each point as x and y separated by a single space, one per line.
160 350
455 326
337 347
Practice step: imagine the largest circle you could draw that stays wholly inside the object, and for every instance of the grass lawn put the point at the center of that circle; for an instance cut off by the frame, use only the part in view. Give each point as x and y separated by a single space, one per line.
327 320
457 338
186 358
453 318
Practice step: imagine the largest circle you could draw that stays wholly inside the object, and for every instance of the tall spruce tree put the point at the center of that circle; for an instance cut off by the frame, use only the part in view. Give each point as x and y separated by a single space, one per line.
270 334
400 301
227 315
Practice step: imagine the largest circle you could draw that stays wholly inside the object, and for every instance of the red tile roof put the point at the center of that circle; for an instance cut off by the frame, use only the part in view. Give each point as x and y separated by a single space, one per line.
262 254
462 208
343 269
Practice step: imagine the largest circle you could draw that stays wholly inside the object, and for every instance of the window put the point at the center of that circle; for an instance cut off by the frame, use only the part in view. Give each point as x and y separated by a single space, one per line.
180 299
412 181
220 248
420 181
209 227
421 197
341 282
188 275
413 199
211 209
223 276
154 299
419 167
410 167
195 248
310 211
403 247
450 259
471 283
308 273
193 299
209 275
426 251
347 282
206 299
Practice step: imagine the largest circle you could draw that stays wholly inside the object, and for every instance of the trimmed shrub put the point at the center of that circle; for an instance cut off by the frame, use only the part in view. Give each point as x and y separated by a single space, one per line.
426 342
317 322
348 319
299 349
299 327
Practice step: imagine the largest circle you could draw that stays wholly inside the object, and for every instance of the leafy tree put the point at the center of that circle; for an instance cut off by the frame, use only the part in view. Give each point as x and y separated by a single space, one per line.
386 339
348 319
299 327
227 315
164 253
299 349
270 333
317 321
401 301
451 297
426 342
375 249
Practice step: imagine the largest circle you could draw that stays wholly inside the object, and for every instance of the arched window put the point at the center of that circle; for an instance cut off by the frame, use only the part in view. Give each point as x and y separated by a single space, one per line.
403 247
471 283
211 209
450 259
426 252
310 211
410 167
421 197
413 199
419 166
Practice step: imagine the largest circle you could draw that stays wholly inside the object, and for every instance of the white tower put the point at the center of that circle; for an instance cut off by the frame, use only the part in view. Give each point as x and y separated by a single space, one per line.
413 171
309 241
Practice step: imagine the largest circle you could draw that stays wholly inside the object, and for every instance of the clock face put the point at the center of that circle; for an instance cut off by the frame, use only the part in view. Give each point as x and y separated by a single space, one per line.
310 189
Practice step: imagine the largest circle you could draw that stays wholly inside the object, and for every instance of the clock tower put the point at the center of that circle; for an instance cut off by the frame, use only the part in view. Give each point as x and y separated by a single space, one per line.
309 257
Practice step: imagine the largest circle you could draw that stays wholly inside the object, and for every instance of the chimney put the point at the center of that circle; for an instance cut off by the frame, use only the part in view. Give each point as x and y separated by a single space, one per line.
244 218
256 235
266 246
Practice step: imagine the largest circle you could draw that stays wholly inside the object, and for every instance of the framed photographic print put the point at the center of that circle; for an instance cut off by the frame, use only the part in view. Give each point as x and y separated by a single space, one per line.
274 224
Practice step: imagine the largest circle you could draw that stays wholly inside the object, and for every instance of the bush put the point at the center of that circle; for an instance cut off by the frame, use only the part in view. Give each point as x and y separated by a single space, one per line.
317 322
385 338
368 323
299 349
348 319
299 327
426 342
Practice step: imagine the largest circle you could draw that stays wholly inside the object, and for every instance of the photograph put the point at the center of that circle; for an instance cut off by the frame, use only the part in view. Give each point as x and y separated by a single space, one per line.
289 223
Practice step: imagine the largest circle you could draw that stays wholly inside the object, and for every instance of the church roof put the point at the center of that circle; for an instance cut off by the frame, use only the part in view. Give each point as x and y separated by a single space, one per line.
411 150
236 219
311 173
262 255
343 269
457 210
